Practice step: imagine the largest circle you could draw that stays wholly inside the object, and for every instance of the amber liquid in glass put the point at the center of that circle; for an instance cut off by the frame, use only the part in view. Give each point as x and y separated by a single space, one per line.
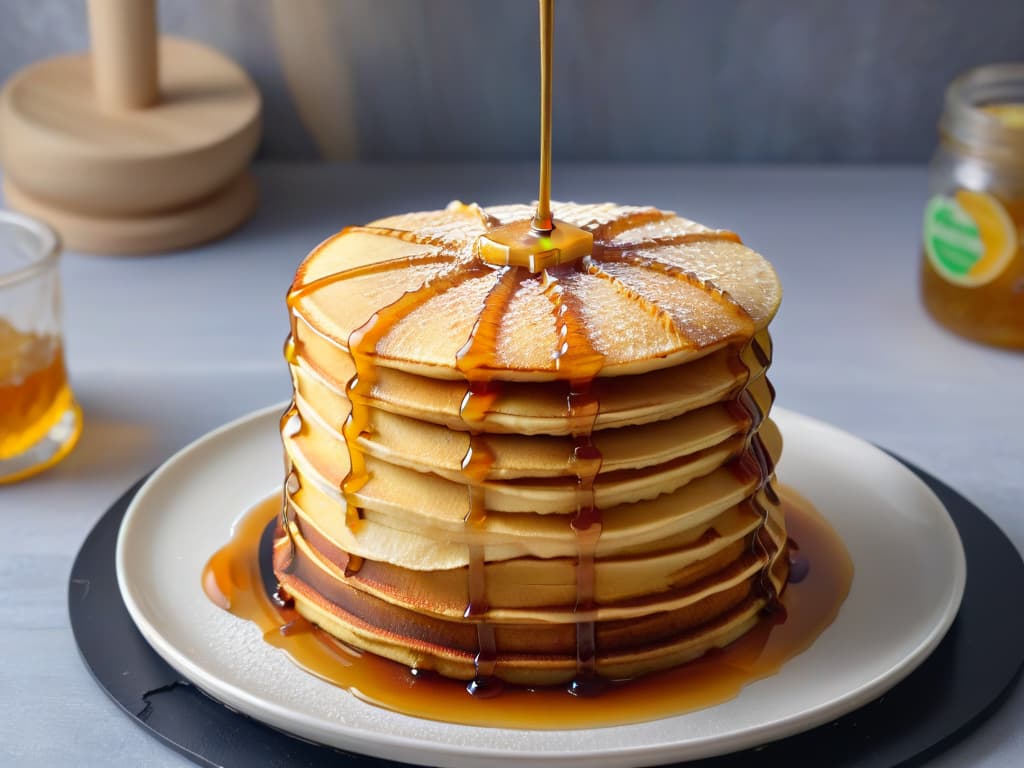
820 576
34 391
992 313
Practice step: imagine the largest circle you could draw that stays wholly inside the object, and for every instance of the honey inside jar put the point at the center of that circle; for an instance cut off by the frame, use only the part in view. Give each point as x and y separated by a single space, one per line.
992 312
34 391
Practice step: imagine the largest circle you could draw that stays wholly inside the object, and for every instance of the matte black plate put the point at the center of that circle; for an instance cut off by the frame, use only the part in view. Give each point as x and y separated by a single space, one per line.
964 680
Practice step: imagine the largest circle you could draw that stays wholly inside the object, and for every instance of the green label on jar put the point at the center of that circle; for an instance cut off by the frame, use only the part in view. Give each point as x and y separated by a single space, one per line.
969 237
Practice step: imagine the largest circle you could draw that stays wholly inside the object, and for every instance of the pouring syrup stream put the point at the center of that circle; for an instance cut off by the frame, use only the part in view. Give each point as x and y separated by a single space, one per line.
542 221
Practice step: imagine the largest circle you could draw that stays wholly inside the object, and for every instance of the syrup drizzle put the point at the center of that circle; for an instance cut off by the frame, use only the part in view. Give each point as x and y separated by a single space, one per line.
608 227
390 265
755 463
474 360
646 304
475 466
583 409
450 245
577 357
362 345
688 276
668 241
438 237
290 425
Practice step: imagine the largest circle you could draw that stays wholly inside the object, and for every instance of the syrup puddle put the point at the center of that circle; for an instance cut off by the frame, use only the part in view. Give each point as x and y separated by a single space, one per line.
239 578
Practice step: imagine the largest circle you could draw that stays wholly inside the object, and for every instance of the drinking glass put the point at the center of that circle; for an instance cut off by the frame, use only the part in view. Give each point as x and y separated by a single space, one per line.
39 419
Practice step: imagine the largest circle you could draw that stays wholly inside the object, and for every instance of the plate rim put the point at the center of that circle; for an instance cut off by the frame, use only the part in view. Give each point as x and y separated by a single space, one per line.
397 746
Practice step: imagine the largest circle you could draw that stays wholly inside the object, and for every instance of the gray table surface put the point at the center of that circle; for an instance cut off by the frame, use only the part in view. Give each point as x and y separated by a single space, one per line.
162 349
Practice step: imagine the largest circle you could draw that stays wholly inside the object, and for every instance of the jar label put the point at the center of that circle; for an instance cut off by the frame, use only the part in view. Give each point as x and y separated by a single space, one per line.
969 238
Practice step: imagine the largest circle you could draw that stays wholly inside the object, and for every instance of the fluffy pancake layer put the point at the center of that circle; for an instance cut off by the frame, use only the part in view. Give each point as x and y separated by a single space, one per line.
593 498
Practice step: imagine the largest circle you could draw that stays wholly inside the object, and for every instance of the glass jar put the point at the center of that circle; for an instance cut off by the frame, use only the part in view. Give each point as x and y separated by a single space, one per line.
972 275
39 418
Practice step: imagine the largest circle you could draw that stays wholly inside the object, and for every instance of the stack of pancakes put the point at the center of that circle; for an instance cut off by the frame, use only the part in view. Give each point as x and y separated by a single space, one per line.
532 477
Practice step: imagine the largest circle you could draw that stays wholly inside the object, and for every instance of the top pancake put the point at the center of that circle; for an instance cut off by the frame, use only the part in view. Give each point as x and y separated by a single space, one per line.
657 290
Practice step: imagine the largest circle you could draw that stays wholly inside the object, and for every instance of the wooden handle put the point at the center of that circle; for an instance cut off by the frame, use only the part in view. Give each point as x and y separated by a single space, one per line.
124 60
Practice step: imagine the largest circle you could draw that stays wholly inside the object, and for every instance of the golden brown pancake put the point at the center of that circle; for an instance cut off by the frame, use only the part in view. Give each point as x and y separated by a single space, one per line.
541 477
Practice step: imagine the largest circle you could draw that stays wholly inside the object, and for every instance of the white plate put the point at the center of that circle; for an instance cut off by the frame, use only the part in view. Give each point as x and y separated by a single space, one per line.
908 581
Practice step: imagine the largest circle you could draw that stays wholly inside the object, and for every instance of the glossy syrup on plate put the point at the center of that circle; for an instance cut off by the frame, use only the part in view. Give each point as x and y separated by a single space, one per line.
239 579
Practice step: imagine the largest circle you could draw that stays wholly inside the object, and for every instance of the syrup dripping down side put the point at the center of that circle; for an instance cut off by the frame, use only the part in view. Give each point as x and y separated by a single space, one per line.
362 346
362 342
580 363
475 360
755 464
290 425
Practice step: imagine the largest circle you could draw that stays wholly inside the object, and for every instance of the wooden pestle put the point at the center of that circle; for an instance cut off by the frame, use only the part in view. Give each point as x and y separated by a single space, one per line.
124 53
88 144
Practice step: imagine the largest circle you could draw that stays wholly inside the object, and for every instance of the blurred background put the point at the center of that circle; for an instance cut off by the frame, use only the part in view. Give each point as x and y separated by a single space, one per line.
852 81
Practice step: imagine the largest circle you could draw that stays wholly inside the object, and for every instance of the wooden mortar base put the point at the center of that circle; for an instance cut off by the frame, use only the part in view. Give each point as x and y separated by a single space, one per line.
171 230
132 180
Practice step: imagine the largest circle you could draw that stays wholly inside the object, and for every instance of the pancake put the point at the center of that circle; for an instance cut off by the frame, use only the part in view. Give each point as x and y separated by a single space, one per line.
647 303
537 475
